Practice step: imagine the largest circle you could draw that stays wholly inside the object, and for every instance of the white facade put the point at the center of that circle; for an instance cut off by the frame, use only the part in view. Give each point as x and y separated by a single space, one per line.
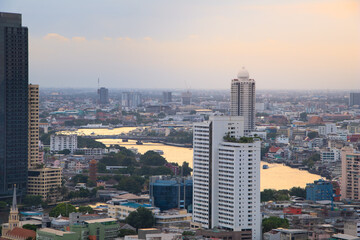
62 142
328 128
282 139
243 99
226 177
330 155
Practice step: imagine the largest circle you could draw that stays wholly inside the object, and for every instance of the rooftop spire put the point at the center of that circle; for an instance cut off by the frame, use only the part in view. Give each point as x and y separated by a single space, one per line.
14 203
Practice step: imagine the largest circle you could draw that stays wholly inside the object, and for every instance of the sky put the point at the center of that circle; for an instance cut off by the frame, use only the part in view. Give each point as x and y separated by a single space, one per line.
194 44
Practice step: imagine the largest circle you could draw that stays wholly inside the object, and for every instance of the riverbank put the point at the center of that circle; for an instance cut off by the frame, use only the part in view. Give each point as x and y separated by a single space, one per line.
301 168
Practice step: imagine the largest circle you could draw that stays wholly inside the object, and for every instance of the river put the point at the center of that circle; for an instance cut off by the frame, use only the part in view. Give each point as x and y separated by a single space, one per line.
277 176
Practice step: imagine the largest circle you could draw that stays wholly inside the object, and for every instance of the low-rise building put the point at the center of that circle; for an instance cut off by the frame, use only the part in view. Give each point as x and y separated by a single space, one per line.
53 234
173 218
121 210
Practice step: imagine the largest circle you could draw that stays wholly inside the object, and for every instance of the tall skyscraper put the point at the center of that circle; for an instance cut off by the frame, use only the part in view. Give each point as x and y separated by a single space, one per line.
226 176
354 99
167 97
243 99
103 94
13 104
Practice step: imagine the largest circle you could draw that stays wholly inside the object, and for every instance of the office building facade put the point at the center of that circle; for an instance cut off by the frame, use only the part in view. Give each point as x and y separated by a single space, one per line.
103 96
13 104
354 99
45 182
169 193
243 99
319 190
226 188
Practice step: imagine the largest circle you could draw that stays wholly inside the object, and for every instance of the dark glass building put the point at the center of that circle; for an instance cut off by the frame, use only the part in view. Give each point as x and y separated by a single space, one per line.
13 104
103 94
169 193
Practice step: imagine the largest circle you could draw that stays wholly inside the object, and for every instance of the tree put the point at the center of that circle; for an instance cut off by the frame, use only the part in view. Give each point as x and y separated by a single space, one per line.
86 209
65 152
298 192
30 227
274 222
84 142
303 116
132 184
32 200
274 195
313 135
141 218
125 232
3 204
63 208
152 158
79 179
186 170
188 233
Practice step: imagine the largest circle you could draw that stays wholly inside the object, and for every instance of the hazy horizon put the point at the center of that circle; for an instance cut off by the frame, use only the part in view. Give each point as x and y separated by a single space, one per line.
302 44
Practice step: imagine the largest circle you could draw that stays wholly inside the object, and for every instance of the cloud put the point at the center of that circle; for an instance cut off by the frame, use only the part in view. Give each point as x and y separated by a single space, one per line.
79 39
147 38
55 36
107 38
119 38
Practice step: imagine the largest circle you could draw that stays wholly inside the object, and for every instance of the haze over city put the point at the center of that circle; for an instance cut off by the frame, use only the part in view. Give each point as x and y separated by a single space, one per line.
301 44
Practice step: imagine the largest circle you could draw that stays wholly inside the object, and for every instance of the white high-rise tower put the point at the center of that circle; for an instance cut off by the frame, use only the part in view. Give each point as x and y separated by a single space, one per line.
243 99
226 190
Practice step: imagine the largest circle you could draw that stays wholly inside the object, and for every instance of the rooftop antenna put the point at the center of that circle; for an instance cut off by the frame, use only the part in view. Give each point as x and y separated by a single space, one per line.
98 83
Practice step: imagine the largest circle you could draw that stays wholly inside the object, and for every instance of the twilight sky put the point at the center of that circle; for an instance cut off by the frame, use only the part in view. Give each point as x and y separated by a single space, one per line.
297 44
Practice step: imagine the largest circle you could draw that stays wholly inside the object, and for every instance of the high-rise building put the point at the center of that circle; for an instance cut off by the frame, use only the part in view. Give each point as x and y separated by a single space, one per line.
354 99
186 98
13 104
226 176
167 97
103 95
41 180
33 119
350 174
243 99
130 99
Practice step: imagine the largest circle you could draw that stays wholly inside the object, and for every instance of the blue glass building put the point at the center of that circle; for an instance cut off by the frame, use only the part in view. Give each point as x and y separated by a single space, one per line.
319 190
13 104
168 193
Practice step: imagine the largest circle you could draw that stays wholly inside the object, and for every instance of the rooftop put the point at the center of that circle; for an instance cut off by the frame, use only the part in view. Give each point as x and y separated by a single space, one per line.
135 205
101 220
54 231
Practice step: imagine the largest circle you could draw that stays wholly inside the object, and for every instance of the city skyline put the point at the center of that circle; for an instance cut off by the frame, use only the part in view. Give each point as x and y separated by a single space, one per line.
298 45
